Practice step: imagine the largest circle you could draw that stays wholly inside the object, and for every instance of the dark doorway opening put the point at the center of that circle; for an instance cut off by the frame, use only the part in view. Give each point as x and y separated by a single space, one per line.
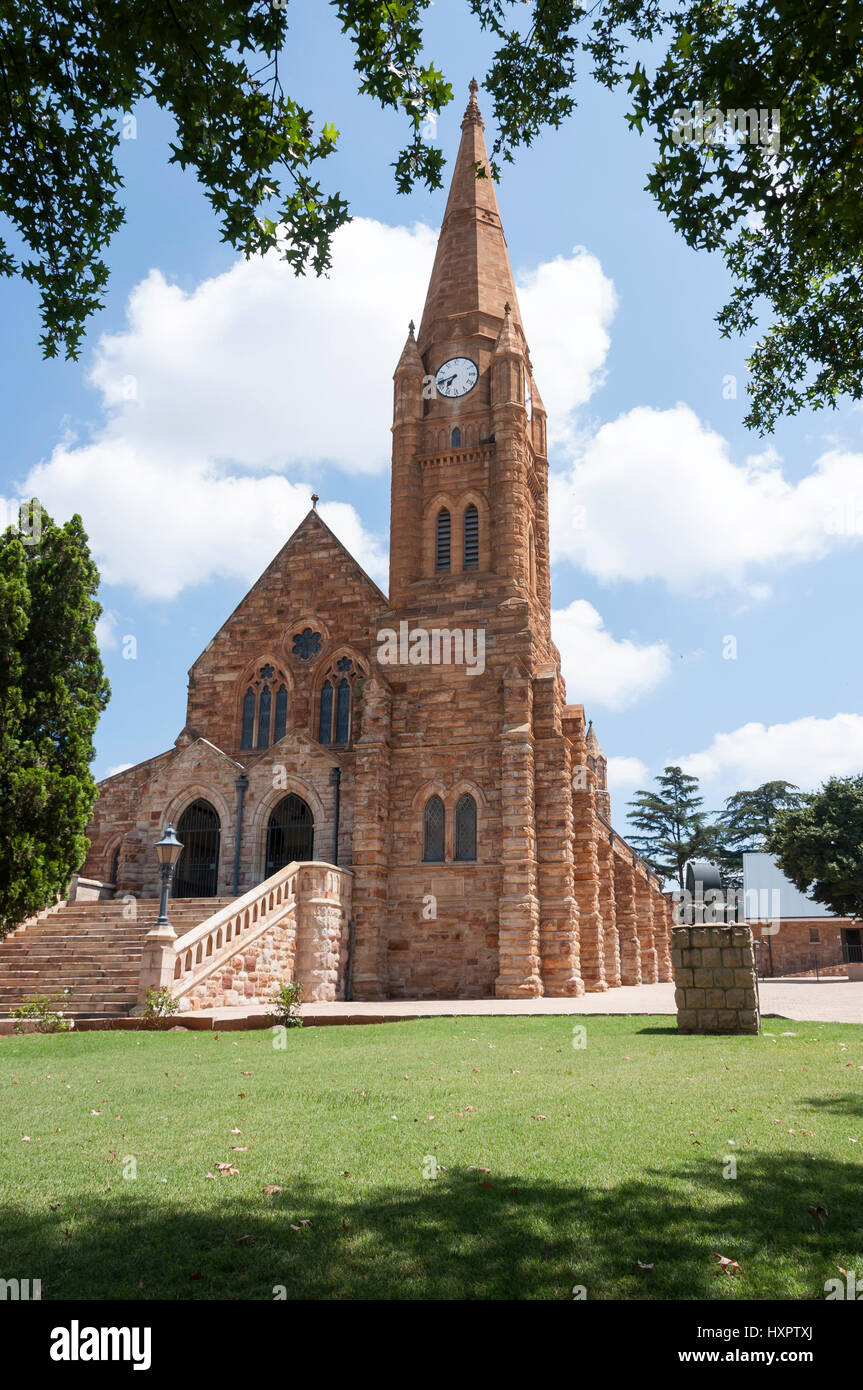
197 871
290 833
852 945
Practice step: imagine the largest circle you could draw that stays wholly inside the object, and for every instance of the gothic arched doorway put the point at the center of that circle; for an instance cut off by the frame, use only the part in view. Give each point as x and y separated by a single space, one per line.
197 871
290 833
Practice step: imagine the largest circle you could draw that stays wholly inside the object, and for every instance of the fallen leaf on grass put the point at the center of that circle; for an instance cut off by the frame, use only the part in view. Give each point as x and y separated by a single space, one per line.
643 1266
272 1190
818 1214
727 1266
227 1170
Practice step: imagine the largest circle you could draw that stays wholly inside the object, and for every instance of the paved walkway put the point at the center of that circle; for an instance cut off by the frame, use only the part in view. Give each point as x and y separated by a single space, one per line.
826 1001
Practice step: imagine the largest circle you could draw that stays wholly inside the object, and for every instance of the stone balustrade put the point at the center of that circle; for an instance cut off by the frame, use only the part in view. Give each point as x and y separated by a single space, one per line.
291 927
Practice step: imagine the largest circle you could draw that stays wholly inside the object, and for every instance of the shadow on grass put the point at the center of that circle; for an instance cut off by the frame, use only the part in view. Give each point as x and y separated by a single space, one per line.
456 1237
849 1107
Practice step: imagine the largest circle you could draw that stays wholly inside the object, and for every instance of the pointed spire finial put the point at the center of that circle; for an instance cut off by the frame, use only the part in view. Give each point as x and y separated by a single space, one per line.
471 115
411 327
315 500
507 308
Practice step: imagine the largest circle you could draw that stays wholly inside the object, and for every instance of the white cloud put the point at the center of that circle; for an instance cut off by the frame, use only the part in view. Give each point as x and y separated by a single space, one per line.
163 523
804 751
221 403
656 495
599 668
568 363
120 767
626 774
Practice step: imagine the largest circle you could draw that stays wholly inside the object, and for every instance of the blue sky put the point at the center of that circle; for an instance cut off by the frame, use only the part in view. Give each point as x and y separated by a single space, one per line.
212 398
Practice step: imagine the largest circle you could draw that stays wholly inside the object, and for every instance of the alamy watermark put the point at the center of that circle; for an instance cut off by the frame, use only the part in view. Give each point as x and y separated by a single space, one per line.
717 906
436 646
711 126
23 517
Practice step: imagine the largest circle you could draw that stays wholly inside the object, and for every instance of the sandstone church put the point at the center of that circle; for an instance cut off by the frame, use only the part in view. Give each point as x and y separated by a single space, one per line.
465 800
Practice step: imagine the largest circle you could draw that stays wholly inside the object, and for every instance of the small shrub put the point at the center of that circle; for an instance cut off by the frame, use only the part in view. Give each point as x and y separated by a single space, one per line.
285 1005
159 1005
37 1009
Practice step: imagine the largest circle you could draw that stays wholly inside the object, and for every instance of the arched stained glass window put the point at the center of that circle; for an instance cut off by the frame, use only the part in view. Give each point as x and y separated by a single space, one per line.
465 827
471 537
264 718
433 831
281 720
442 540
343 711
248 737
115 865
456 438
325 730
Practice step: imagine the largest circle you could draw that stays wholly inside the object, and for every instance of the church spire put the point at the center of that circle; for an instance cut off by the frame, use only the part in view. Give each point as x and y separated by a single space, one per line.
471 274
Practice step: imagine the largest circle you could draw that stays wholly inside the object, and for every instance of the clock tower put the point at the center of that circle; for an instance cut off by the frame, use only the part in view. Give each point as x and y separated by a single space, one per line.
469 426
471 889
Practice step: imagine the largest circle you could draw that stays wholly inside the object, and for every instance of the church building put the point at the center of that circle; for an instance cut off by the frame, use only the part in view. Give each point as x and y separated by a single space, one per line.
421 738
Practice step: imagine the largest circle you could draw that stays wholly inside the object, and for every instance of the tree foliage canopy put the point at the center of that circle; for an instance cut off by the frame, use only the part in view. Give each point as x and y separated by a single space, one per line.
746 822
787 221
52 691
670 826
819 845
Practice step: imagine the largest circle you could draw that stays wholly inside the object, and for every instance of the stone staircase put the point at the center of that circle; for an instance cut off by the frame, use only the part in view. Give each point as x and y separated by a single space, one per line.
90 949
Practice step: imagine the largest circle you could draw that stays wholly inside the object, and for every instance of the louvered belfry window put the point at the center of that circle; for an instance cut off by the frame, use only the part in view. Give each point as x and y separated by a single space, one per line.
471 537
465 827
442 540
433 831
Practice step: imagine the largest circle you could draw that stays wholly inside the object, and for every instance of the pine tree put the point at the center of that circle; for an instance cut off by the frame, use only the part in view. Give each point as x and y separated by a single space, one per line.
52 691
747 821
670 824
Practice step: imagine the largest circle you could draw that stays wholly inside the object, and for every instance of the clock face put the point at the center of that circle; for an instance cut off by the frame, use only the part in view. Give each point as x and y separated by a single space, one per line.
456 377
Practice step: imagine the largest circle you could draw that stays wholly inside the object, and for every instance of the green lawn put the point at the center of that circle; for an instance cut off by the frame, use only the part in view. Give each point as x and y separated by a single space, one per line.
597 1158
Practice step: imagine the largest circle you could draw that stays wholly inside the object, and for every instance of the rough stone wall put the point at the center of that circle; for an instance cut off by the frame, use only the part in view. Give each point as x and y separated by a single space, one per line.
139 803
714 975
312 582
626 911
608 912
644 927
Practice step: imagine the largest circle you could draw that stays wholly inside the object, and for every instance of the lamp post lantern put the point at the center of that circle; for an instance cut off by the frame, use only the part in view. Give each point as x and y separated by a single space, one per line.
168 851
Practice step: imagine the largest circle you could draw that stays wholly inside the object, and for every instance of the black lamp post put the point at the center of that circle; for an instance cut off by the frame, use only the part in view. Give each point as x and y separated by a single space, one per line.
168 851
